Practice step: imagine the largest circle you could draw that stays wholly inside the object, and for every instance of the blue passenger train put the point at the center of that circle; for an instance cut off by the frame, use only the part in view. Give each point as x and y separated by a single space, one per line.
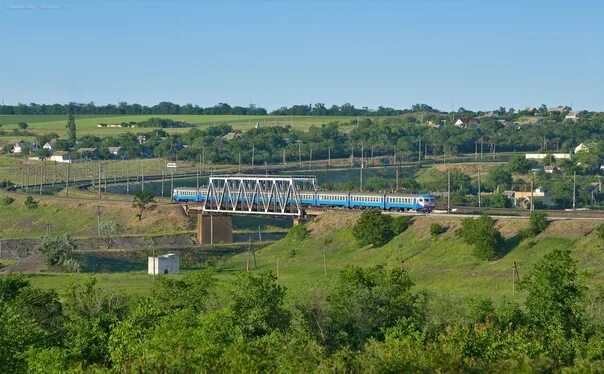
350 200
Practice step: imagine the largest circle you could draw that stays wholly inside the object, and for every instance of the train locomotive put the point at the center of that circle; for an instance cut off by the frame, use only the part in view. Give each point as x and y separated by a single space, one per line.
329 199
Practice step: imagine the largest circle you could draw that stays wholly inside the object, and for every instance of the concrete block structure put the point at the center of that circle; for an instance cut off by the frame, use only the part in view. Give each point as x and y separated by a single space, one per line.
164 264
214 228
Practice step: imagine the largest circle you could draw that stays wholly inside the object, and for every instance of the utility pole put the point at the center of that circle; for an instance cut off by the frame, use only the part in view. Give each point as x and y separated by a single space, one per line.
171 181
284 158
448 191
324 262
249 252
479 194
142 178
163 174
99 180
419 150
253 151
515 277
396 171
128 180
300 153
67 179
310 160
574 190
239 162
328 157
98 221
532 196
197 178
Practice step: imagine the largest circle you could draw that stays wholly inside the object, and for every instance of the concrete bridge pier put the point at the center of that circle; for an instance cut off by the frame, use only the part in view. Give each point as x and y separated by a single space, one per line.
214 228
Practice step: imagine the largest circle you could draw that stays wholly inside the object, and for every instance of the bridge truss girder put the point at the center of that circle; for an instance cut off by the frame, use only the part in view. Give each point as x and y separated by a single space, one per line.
253 194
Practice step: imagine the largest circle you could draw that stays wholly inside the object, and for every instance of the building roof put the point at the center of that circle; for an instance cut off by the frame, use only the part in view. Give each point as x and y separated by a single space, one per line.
231 136
82 150
114 149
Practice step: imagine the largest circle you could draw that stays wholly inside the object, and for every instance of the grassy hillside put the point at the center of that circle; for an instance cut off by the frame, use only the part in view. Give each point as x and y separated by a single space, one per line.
87 124
443 266
78 217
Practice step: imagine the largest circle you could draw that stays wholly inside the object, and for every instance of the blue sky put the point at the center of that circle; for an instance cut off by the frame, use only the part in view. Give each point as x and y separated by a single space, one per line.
474 54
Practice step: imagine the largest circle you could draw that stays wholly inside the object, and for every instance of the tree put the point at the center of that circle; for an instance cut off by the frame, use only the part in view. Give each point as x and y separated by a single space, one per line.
23 125
482 235
499 177
519 164
556 295
373 227
56 250
537 224
108 230
366 301
71 128
30 202
141 200
257 304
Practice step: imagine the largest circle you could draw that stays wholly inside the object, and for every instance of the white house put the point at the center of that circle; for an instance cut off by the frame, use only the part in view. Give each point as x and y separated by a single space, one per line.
164 264
550 169
573 116
581 148
60 156
114 150
20 146
49 145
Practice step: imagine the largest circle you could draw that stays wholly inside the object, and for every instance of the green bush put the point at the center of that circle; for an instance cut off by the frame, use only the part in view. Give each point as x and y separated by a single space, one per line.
600 231
400 224
482 235
297 232
56 250
436 229
30 202
7 200
373 227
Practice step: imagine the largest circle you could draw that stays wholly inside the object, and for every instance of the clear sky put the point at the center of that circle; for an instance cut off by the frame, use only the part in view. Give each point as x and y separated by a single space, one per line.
476 54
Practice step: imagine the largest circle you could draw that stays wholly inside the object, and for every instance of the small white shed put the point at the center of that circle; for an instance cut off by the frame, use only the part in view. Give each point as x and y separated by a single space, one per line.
164 264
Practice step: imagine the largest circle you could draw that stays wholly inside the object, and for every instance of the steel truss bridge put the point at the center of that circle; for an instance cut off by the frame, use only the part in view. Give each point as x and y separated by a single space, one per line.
255 194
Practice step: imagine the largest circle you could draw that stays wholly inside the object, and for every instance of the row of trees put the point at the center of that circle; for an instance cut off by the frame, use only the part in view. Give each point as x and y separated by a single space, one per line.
370 320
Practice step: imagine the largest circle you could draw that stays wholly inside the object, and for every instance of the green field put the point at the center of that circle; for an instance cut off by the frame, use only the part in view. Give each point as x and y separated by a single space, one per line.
87 124
444 267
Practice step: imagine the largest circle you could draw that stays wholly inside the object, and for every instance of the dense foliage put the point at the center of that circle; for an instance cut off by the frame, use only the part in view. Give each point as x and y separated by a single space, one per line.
482 234
370 320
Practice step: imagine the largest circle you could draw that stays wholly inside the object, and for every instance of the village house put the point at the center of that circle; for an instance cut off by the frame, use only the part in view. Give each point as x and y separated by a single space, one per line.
18 146
572 116
88 152
550 169
114 150
50 145
61 157
231 136
464 122
581 148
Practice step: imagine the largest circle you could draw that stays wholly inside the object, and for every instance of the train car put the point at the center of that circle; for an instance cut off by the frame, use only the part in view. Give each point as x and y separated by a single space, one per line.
188 194
408 202
307 198
367 200
332 199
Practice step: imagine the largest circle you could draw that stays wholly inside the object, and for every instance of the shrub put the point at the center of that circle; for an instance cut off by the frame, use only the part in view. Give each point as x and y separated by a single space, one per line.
600 231
71 265
373 227
400 224
30 202
7 200
436 229
482 235
56 250
298 232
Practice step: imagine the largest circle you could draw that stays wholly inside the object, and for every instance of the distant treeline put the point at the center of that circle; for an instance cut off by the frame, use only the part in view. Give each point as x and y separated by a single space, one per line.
164 107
